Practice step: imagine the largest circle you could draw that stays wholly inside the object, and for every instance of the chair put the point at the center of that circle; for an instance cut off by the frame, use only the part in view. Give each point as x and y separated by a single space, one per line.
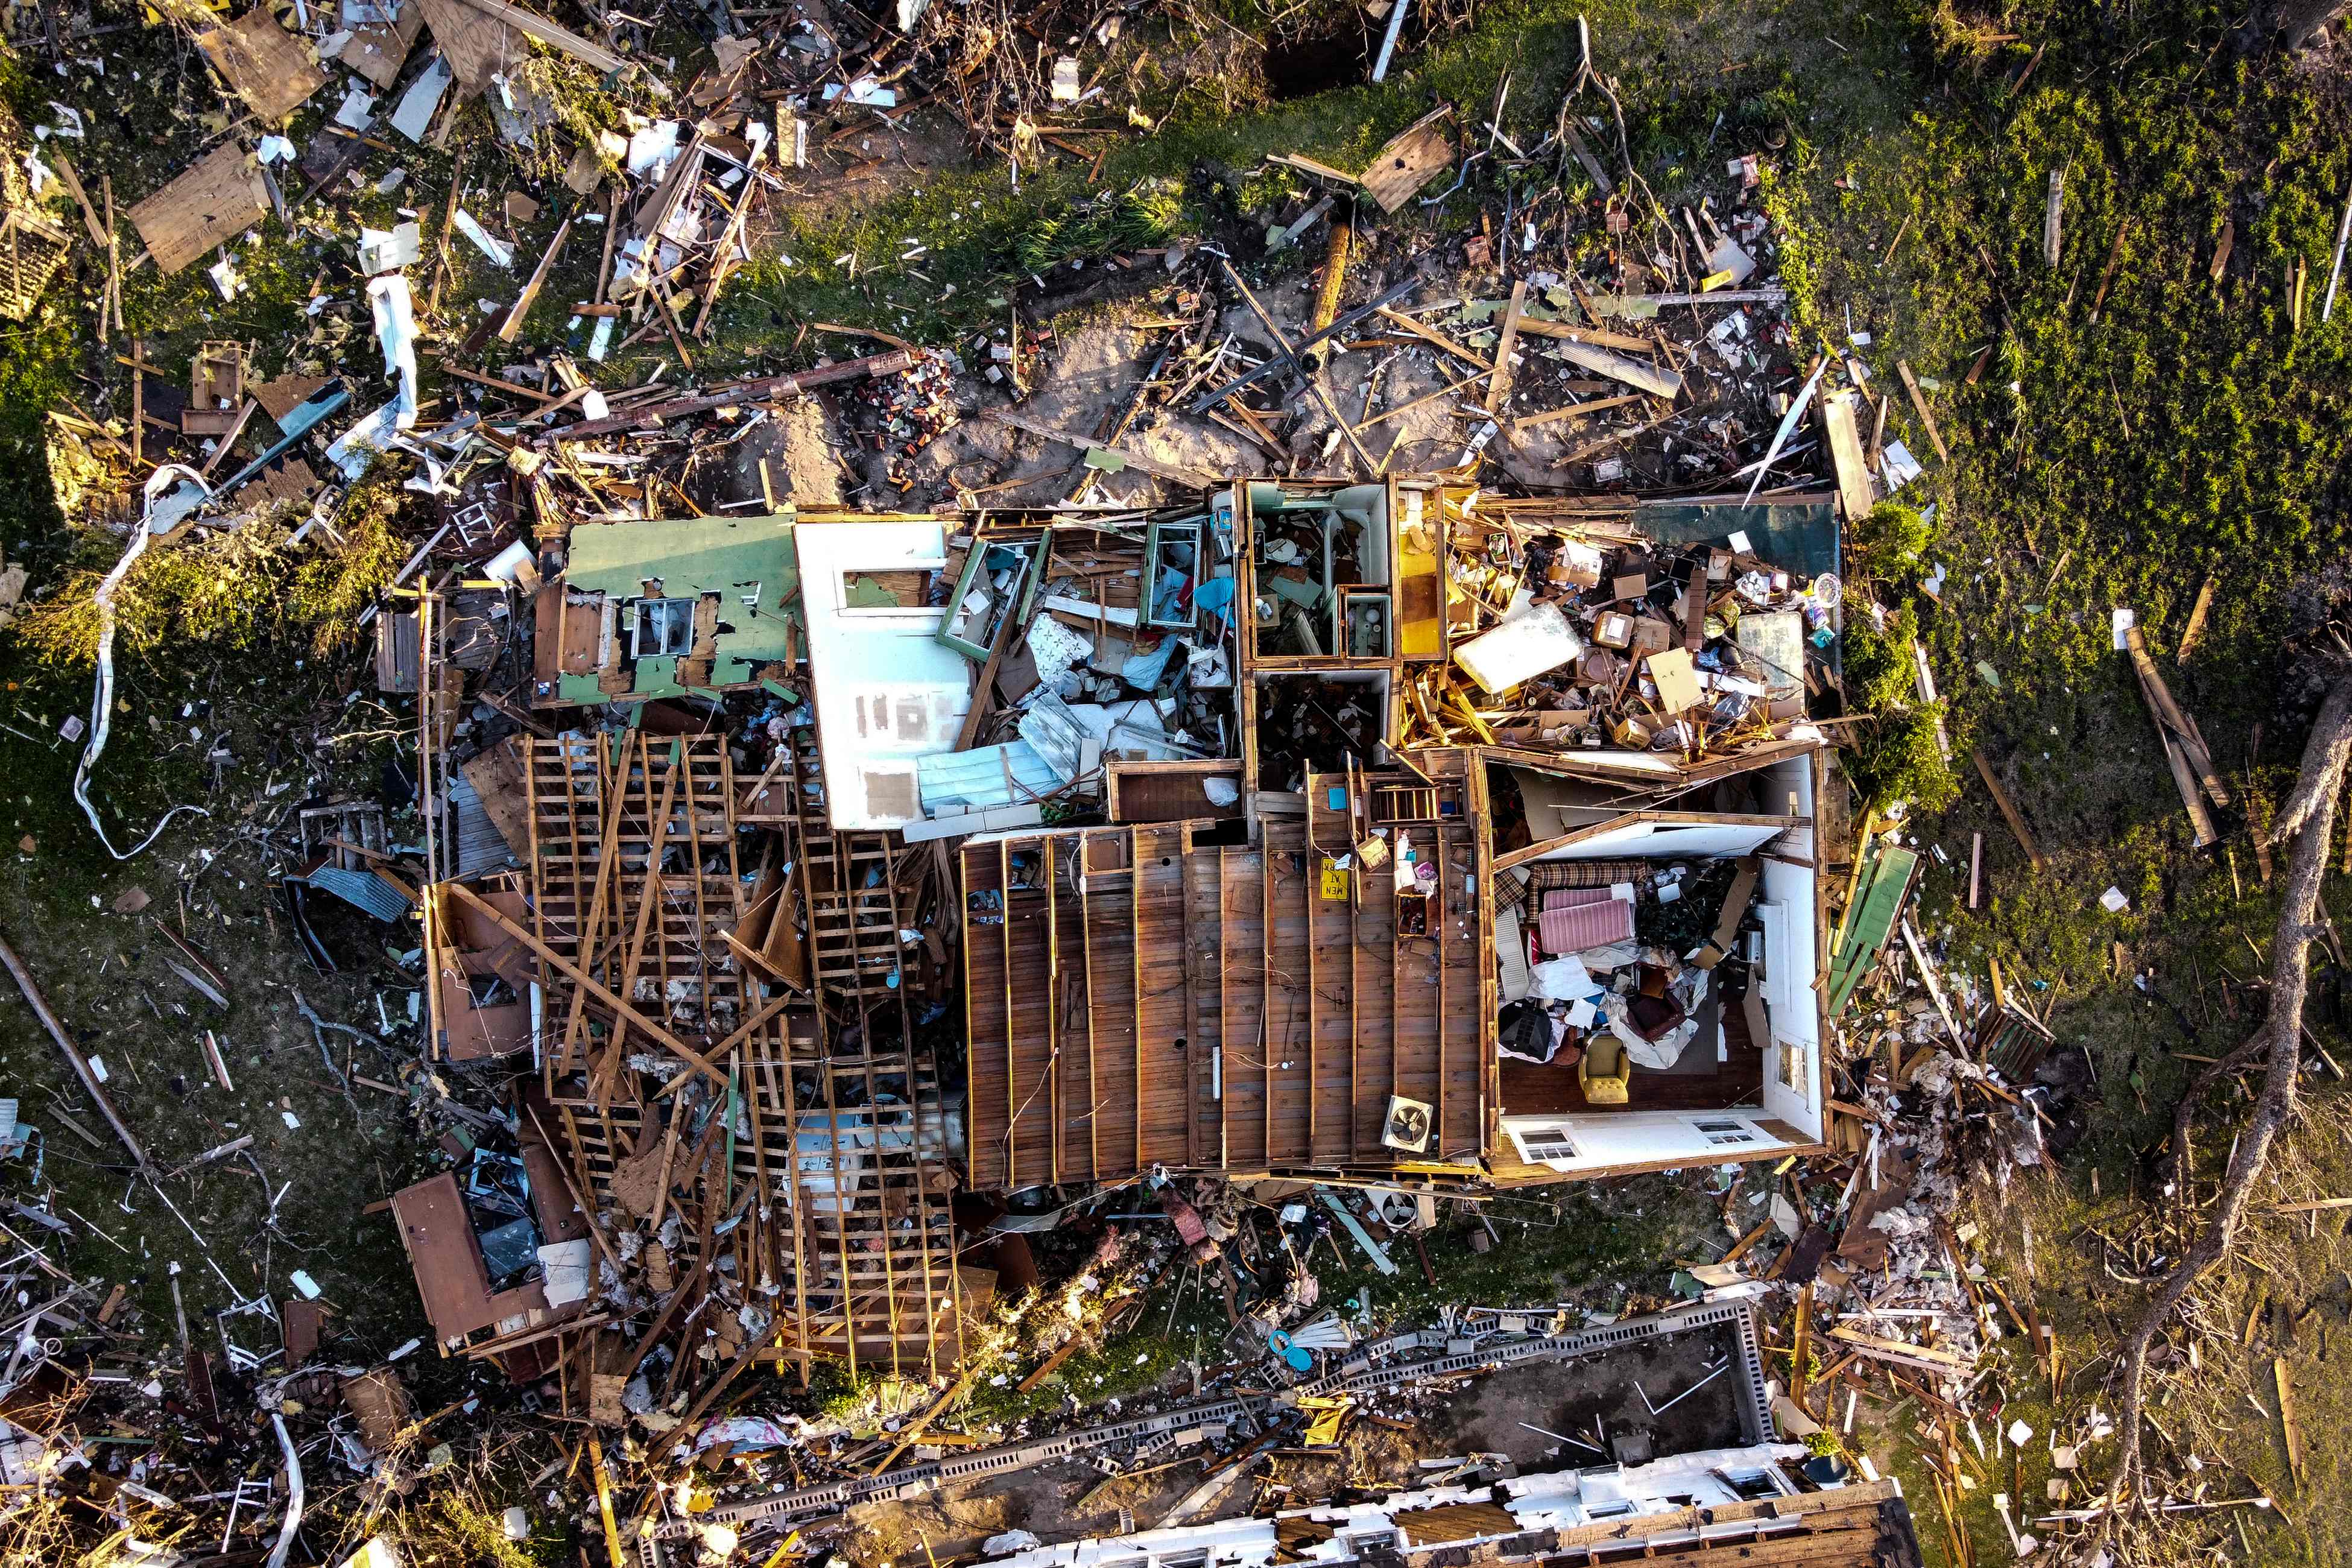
1606 1073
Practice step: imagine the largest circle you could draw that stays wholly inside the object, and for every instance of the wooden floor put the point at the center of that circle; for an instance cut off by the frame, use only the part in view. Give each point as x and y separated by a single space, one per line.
1211 1007
1323 1010
1075 1006
1532 1089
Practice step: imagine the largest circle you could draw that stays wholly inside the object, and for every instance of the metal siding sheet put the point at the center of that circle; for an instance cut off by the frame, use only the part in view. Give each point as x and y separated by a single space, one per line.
364 891
481 846
1009 774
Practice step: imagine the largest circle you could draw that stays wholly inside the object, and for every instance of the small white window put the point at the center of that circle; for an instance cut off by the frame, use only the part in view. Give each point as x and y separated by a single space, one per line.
1542 1143
1791 1065
663 627
1724 1132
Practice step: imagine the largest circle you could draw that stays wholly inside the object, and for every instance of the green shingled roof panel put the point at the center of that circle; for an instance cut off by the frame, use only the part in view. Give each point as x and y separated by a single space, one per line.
738 558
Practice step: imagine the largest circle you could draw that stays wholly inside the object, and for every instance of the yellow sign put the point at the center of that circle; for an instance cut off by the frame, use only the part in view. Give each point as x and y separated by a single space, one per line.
1335 881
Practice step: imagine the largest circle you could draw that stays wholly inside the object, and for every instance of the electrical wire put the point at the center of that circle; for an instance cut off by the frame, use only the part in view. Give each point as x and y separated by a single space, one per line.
102 710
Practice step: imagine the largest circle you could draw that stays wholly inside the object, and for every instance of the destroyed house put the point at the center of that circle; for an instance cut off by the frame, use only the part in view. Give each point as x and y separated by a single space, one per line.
1395 830
501 1254
1519 885
1750 1505
740 933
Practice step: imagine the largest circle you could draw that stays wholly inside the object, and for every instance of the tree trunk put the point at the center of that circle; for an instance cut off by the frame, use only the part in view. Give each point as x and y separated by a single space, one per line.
2294 22
2310 817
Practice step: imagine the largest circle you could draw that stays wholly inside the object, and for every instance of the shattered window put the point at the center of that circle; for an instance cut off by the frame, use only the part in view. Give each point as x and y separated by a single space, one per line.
899 590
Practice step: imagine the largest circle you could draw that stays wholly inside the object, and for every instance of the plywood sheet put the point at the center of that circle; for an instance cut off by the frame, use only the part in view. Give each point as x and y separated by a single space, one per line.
474 43
265 65
280 397
204 208
379 49
1843 423
497 775
450 1274
1415 156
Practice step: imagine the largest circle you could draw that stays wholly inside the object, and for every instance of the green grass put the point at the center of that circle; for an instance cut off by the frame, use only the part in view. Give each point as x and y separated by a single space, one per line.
2189 430
984 236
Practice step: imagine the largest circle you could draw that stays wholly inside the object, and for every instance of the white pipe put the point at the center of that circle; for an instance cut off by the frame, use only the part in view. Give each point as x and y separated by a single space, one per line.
1788 424
2335 269
102 710
293 1497
1387 40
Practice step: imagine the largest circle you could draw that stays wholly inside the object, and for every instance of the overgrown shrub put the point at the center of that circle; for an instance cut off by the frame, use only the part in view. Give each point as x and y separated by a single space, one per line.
232 593
1878 668
1144 213
1896 757
1888 540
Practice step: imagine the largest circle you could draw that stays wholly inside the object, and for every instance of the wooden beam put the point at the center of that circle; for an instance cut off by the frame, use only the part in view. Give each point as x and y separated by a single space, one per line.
513 323
1135 951
1571 333
2008 810
82 1069
1436 338
1919 406
1053 995
563 39
1175 473
2169 715
726 1047
1499 385
581 977
1574 411
2195 630
1012 1073
1094 1089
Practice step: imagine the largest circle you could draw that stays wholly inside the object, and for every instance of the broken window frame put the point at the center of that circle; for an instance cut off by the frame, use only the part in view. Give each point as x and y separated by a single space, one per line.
1724 1132
1534 1144
1193 530
677 627
1021 594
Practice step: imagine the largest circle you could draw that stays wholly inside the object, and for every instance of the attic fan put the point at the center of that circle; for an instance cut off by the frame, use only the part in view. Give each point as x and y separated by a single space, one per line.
1407 1124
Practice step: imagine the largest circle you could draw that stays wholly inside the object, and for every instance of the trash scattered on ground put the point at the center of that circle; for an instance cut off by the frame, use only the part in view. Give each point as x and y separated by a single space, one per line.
1208 840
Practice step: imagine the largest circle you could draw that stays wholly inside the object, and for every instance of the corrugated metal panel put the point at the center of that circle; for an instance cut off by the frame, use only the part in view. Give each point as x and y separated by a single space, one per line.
957 782
364 891
1056 731
481 846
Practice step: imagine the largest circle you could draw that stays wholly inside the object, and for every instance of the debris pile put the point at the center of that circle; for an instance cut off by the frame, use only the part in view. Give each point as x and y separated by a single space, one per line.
892 943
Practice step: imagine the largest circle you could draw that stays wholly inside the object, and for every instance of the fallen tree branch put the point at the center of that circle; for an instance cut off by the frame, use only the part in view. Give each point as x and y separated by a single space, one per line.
2183 1114
2281 1037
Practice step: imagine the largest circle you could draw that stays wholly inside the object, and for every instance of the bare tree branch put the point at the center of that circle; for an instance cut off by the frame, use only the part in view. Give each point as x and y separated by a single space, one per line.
2310 785
2316 789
